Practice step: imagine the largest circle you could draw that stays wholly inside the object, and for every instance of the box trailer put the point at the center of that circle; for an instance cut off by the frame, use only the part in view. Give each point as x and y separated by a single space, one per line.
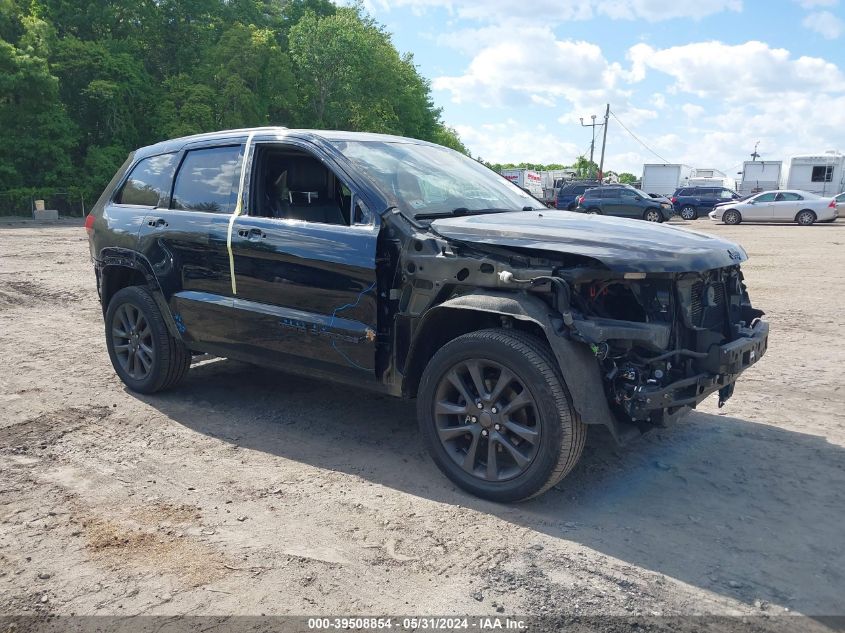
664 179
822 173
760 175
527 179
709 177
553 179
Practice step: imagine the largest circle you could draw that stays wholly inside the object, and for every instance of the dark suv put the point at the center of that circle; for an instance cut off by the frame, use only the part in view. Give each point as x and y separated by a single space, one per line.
691 202
567 196
624 202
404 267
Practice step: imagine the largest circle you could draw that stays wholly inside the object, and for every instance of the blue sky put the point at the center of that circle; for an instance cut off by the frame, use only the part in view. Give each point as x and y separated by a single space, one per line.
698 82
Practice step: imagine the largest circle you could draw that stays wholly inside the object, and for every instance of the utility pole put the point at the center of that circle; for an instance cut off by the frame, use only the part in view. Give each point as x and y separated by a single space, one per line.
604 143
593 142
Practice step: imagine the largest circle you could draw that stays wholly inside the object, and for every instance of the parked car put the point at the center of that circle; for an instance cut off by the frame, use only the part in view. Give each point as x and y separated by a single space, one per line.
567 195
404 267
624 202
797 206
692 202
840 202
659 198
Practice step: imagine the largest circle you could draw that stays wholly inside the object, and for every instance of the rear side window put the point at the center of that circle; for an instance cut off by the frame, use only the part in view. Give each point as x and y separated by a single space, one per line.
208 180
149 183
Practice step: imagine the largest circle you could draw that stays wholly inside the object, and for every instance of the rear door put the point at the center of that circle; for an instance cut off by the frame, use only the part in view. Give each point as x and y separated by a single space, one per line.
185 241
785 206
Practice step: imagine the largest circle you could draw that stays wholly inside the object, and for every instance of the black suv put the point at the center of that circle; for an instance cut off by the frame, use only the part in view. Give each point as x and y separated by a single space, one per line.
567 196
408 268
624 202
691 202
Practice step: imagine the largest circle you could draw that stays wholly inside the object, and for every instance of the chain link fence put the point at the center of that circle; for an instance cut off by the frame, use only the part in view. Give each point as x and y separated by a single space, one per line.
22 202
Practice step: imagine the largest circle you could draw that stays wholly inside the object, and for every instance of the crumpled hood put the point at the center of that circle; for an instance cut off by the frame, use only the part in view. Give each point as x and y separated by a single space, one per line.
620 244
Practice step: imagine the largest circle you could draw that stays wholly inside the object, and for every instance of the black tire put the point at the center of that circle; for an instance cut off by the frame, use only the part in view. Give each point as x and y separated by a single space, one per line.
732 217
653 215
559 435
594 211
805 217
688 212
166 360
572 206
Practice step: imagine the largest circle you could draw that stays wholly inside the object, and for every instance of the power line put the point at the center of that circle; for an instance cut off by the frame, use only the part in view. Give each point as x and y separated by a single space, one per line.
636 138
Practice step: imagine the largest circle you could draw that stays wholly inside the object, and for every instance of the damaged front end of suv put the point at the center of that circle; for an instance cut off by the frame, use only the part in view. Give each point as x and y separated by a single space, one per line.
644 322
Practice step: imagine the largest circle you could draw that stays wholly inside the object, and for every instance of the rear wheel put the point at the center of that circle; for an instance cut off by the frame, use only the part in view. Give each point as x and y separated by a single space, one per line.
689 212
731 216
805 217
144 354
594 211
652 215
496 416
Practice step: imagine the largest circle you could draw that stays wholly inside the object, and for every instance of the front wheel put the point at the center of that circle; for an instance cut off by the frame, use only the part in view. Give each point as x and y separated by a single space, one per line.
689 213
805 217
496 416
144 354
731 216
652 215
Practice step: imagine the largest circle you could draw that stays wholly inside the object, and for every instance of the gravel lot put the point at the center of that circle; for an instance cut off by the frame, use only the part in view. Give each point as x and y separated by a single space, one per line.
248 491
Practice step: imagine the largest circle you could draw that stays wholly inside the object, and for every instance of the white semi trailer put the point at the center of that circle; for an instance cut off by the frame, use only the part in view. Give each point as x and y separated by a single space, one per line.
664 179
760 175
527 179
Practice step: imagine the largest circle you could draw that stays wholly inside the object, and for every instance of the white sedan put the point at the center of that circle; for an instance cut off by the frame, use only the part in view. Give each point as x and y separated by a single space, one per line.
790 205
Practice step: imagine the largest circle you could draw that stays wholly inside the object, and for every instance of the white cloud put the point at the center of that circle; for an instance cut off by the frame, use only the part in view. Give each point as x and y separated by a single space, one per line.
812 4
825 24
532 66
512 142
568 10
751 71
692 110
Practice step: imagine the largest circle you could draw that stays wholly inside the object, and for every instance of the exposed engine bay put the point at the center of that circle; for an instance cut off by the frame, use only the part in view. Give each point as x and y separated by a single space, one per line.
652 342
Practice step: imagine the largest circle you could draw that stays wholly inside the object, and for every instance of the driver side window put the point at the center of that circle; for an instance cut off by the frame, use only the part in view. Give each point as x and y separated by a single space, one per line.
765 197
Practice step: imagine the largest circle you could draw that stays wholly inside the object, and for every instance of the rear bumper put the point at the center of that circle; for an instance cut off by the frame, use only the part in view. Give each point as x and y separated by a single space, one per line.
719 371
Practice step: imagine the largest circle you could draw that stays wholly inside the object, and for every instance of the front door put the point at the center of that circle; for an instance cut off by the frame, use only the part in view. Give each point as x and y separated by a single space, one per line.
305 265
759 208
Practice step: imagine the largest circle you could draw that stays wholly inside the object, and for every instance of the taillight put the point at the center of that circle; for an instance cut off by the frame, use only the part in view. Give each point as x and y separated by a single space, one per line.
832 204
674 199
89 223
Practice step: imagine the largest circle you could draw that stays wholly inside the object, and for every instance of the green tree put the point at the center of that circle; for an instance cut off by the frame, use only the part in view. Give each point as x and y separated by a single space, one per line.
627 178
38 136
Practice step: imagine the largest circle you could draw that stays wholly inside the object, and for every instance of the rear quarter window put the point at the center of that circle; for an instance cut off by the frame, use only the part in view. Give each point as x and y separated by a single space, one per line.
149 182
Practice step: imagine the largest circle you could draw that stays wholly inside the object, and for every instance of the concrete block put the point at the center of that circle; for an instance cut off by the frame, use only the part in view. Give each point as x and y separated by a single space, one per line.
45 214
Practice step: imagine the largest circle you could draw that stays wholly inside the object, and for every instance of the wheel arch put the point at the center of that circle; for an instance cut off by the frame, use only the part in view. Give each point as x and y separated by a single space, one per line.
484 309
815 215
120 268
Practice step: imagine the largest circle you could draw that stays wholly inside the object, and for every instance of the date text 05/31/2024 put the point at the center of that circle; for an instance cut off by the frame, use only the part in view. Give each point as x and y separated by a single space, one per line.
416 623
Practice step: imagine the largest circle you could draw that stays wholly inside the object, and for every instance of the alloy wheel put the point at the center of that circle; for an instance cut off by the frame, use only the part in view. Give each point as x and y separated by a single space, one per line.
652 216
688 213
132 338
487 420
806 218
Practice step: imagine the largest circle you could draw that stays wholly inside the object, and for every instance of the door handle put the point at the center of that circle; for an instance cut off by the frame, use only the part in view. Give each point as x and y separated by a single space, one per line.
251 234
157 223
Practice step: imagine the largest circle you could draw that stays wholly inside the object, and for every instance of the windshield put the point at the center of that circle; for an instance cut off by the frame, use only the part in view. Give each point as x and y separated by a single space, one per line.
427 180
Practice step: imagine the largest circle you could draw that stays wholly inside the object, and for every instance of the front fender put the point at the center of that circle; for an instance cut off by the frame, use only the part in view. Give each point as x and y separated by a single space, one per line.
577 363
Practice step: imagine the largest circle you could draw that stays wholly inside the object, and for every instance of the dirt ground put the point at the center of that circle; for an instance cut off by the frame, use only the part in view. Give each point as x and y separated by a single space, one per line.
247 491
